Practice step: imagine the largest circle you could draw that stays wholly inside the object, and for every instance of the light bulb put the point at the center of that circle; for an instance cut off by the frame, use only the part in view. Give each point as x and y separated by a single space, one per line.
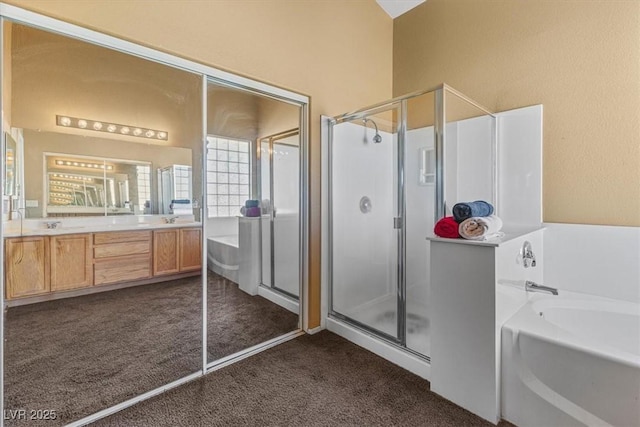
112 128
162 135
65 121
137 131
125 130
82 124
97 125
149 133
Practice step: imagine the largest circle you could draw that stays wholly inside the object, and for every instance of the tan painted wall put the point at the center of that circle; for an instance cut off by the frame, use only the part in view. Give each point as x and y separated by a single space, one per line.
339 53
581 59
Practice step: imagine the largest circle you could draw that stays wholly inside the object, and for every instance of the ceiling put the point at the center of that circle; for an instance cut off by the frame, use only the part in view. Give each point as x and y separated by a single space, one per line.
395 8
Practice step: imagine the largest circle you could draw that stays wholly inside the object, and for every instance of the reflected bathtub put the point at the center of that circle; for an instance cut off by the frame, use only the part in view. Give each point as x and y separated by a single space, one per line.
223 256
572 360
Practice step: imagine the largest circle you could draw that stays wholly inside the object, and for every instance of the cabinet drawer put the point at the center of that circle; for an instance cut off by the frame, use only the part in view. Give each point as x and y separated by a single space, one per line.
121 249
112 270
121 237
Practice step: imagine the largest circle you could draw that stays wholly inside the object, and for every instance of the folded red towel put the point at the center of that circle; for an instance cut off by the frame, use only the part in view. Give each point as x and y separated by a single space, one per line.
447 227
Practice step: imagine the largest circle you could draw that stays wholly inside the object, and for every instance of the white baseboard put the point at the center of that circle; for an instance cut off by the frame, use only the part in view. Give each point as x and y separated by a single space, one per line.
314 330
395 355
276 298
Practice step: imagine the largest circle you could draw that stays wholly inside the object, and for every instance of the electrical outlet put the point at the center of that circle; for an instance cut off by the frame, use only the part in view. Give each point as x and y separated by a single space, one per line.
31 203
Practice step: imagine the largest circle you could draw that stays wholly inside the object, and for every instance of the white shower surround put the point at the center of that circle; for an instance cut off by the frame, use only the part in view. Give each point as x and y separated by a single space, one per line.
365 245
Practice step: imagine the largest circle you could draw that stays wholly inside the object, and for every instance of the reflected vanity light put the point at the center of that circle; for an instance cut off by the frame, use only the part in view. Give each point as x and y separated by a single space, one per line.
83 165
96 125
73 177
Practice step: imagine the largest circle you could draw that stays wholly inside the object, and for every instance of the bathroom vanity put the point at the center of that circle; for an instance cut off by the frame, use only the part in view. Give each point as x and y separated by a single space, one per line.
43 264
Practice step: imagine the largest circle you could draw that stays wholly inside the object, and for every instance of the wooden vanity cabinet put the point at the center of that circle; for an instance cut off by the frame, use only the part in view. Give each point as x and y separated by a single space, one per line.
121 256
177 250
166 251
26 266
40 265
190 249
71 261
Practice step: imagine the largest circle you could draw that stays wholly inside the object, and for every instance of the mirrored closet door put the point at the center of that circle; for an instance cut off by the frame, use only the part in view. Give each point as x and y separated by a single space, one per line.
249 195
103 283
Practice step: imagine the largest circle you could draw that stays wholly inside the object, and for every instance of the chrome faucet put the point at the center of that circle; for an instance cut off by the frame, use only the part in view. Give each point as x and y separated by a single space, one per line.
530 286
52 224
527 255
170 220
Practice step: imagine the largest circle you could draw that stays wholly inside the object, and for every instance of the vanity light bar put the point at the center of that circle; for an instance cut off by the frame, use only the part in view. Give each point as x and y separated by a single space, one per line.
75 177
82 165
86 124
65 185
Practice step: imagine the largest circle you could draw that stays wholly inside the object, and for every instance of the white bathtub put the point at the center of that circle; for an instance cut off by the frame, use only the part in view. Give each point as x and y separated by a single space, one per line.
223 256
572 360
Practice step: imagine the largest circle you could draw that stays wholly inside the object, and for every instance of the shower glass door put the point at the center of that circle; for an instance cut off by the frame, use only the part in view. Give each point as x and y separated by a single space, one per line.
285 155
279 191
365 226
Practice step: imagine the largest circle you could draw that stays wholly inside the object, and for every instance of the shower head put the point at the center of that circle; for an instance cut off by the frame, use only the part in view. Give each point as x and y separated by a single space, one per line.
376 138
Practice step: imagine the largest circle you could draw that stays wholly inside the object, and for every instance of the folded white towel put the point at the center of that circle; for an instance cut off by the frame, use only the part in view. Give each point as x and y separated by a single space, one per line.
481 228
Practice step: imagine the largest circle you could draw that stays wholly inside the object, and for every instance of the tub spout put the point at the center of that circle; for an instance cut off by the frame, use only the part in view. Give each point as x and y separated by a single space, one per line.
530 286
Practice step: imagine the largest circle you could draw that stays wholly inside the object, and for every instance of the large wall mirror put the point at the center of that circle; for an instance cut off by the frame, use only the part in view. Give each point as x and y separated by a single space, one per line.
106 304
145 243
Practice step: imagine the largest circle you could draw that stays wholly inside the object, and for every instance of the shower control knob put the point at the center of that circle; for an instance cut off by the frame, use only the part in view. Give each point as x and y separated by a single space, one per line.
365 205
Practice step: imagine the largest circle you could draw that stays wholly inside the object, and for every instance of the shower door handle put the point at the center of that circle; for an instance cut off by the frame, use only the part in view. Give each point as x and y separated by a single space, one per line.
397 223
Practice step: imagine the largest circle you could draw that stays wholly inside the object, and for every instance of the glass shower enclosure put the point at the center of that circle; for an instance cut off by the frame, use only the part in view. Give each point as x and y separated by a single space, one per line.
394 169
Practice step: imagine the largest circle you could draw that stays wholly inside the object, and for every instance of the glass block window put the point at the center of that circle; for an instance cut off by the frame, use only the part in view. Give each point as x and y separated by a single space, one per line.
228 181
144 185
182 182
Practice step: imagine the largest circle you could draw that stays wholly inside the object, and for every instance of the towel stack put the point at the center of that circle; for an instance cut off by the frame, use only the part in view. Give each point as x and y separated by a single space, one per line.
181 207
251 208
471 221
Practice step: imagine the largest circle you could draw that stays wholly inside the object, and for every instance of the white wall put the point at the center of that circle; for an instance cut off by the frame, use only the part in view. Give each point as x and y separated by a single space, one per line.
520 167
473 160
222 226
420 201
593 259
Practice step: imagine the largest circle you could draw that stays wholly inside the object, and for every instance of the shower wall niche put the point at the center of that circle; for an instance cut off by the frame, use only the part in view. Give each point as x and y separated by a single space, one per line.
394 169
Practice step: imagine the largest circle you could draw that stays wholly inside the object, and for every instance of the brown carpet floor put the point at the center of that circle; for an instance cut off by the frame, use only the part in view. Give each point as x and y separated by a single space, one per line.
317 380
80 355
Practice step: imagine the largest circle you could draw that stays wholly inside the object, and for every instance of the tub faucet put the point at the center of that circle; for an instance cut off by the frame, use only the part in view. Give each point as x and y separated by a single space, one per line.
530 286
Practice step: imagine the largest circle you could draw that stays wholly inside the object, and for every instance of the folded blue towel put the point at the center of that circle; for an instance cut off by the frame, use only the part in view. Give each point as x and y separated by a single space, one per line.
462 211
251 203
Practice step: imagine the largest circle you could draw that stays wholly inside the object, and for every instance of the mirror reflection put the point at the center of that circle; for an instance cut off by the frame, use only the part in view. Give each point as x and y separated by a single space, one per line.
102 228
252 226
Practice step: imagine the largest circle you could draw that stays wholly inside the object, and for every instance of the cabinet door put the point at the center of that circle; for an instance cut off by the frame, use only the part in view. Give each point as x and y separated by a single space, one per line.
165 251
190 249
71 262
26 266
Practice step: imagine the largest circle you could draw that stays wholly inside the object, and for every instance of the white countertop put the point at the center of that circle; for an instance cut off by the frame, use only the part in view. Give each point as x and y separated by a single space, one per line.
497 241
38 227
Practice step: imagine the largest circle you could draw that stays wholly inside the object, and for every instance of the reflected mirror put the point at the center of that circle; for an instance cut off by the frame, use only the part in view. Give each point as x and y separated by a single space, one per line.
10 167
